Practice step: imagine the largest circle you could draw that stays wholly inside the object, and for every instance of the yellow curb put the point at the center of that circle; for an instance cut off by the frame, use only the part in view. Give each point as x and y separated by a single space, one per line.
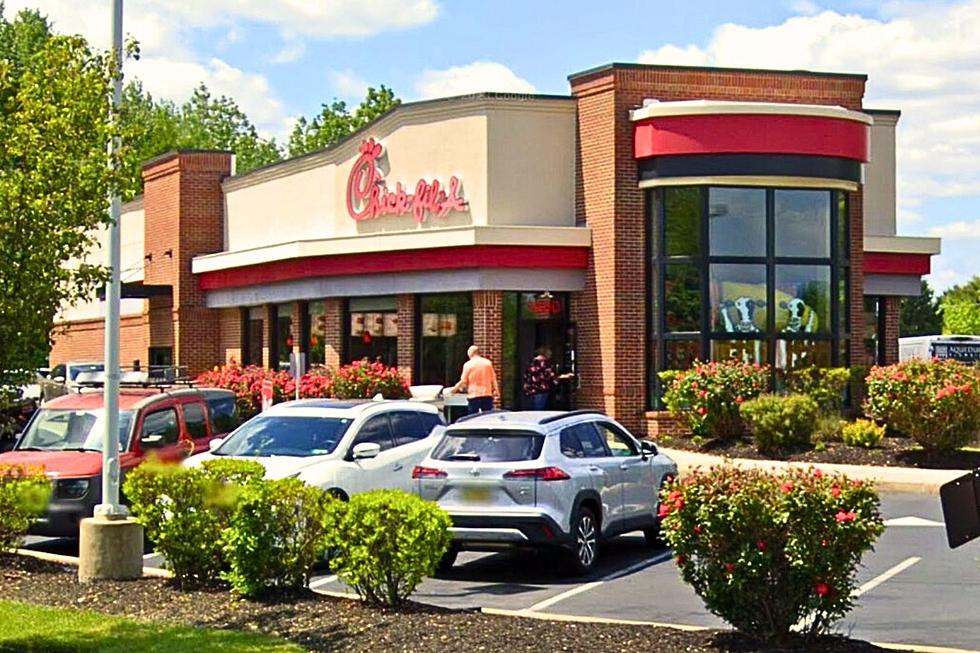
150 572
547 616
885 479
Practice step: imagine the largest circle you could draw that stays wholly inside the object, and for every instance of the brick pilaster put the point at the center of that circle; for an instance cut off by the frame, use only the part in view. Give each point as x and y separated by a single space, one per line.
893 311
406 336
488 327
333 316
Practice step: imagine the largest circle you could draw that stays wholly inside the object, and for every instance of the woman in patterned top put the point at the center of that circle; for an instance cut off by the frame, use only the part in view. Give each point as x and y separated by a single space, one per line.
540 380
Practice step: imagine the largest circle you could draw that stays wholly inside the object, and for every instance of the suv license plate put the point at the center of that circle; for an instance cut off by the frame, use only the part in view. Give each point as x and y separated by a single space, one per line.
476 494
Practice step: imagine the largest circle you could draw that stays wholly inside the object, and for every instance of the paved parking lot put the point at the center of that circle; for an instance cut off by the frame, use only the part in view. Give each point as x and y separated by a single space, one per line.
914 590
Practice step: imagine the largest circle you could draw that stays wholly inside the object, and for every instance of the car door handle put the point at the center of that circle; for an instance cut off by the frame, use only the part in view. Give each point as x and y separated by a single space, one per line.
397 467
624 465
593 468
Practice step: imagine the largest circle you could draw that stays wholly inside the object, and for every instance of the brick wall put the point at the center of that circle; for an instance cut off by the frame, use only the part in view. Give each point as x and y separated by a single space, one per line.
610 311
406 336
229 335
663 426
488 328
333 315
893 312
85 341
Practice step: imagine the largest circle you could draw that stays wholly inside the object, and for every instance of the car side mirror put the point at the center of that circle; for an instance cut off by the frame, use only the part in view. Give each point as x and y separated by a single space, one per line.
366 450
215 443
648 448
154 441
58 379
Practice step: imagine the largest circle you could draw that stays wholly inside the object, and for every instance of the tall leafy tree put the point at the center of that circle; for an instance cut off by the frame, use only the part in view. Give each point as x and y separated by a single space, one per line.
335 121
920 315
961 308
54 180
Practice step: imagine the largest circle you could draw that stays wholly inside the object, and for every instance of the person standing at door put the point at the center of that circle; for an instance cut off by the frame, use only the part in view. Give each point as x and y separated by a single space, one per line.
480 380
540 380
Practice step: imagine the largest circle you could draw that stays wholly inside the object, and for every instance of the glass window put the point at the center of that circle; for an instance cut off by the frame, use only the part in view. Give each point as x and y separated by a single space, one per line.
873 316
592 442
224 414
617 442
430 421
373 324
747 351
162 423
53 430
802 223
445 334
254 336
737 221
738 298
682 298
794 354
489 446
195 420
407 427
375 429
679 354
284 333
803 298
318 333
570 445
683 220
843 226
281 435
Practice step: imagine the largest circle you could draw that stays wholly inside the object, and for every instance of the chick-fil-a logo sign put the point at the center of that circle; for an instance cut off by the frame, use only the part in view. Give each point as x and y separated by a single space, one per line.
368 196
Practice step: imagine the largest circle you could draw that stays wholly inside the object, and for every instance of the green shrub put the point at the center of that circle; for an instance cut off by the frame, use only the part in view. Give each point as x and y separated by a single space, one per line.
768 551
231 470
24 494
827 428
277 532
778 421
825 385
933 402
387 542
708 395
863 433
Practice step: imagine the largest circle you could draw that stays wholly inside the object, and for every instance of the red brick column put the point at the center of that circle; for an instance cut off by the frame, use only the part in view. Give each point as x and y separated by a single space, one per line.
856 290
270 317
893 312
333 316
488 328
406 337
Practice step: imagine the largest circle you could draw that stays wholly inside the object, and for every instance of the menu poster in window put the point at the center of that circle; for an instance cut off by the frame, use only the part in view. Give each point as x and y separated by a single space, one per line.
391 325
374 323
447 325
430 325
356 324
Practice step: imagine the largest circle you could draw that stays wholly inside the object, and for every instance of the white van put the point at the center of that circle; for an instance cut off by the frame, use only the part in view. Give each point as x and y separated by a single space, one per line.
961 348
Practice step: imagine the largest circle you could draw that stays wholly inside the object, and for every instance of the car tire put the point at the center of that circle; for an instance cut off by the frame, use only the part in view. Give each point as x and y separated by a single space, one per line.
585 542
653 537
448 559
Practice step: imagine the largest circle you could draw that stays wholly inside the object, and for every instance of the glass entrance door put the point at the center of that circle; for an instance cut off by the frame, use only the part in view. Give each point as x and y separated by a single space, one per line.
537 324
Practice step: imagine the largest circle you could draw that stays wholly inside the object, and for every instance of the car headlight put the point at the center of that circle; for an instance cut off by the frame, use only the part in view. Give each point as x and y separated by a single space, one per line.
71 488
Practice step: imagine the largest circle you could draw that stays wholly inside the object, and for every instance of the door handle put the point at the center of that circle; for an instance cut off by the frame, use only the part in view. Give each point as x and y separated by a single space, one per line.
624 465
397 467
593 468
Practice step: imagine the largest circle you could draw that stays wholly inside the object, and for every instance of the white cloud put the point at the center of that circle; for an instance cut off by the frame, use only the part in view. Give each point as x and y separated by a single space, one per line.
805 7
347 84
476 77
959 230
290 52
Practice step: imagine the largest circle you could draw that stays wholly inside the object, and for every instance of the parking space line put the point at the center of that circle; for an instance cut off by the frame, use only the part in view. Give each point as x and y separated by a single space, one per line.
649 562
320 582
890 573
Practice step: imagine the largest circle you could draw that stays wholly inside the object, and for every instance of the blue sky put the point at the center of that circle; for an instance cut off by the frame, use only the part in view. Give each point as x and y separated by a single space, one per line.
282 58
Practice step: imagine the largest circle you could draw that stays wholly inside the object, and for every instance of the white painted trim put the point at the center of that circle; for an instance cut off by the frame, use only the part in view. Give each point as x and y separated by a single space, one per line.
395 241
760 180
713 107
903 245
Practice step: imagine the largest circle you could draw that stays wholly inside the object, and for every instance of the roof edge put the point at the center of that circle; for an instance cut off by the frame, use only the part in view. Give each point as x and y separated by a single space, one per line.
609 67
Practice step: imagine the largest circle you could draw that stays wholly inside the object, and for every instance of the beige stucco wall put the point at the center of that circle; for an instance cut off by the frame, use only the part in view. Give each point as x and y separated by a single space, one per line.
515 160
879 177
131 258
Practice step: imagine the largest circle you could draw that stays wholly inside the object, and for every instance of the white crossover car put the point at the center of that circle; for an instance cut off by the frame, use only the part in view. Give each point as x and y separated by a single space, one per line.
342 447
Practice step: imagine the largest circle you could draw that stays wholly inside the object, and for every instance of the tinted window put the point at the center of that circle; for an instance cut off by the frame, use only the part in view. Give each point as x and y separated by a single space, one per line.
376 430
618 442
224 414
592 442
489 446
195 420
162 423
571 447
59 370
78 369
73 429
407 427
430 421
285 436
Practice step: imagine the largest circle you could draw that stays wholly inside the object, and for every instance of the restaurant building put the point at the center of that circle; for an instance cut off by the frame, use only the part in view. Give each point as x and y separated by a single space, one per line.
656 215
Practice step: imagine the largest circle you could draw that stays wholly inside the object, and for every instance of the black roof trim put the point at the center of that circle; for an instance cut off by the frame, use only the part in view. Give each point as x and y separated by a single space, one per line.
719 69
881 112
571 413
466 418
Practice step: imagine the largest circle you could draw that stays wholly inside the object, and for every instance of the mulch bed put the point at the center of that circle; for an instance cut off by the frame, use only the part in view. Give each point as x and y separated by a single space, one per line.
321 623
893 452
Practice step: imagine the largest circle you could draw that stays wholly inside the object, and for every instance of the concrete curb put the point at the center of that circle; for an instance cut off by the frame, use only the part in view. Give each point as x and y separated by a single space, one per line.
547 616
148 572
886 479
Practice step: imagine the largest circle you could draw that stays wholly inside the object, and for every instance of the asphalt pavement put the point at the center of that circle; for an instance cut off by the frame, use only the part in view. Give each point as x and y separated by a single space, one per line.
913 588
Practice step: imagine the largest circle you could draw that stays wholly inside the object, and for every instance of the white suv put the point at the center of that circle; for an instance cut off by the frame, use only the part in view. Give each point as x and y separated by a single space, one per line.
342 447
543 478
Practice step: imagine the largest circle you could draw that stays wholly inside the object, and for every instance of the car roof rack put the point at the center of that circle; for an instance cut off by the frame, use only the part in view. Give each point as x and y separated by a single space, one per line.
495 411
572 413
152 376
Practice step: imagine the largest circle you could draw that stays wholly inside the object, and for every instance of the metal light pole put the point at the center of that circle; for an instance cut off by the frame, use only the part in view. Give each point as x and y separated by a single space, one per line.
110 508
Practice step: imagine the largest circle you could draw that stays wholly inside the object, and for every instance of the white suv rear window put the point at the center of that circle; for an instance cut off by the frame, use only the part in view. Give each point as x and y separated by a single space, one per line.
489 446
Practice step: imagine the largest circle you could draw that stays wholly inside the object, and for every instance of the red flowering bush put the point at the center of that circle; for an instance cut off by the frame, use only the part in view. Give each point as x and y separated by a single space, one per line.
364 379
316 383
933 402
768 551
246 382
708 395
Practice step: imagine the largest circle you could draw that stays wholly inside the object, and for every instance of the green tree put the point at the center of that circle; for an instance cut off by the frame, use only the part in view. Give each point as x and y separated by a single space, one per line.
54 180
961 308
920 315
336 122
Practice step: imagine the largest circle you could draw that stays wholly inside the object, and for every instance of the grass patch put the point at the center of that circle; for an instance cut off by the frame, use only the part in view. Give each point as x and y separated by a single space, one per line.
29 627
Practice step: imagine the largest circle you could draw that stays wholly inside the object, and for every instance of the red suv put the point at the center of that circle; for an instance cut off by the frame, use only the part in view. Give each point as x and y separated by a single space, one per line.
65 437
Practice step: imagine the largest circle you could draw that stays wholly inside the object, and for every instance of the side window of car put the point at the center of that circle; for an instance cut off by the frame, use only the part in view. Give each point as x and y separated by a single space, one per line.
162 423
59 370
430 421
224 414
619 443
407 427
592 442
571 446
195 420
376 429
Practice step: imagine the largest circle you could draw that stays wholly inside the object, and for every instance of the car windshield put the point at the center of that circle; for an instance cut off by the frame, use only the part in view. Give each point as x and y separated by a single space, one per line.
61 430
75 370
281 435
489 446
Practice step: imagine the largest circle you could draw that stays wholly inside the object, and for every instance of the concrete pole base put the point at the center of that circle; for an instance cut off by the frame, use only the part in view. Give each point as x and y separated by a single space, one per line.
109 549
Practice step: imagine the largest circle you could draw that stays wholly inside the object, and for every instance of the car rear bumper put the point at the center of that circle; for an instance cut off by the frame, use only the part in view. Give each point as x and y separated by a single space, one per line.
474 530
62 517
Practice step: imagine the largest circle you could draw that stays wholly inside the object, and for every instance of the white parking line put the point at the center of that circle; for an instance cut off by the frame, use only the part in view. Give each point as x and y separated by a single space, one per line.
320 582
649 562
891 573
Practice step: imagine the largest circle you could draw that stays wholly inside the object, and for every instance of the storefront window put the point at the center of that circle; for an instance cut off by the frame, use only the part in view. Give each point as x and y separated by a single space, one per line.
874 327
372 324
253 335
769 286
445 332
284 334
536 322
316 347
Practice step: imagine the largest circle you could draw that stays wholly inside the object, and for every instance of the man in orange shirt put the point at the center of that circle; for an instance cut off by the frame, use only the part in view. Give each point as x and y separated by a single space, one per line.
480 381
